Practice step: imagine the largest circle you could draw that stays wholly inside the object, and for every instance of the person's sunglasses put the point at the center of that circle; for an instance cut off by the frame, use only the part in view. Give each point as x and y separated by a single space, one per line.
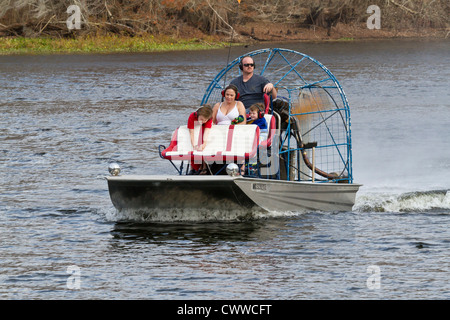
249 65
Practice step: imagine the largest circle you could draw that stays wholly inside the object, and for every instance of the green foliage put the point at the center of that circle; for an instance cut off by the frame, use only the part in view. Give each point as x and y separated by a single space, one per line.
101 44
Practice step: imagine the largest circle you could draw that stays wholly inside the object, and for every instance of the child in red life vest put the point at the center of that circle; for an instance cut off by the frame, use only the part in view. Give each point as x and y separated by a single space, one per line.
203 117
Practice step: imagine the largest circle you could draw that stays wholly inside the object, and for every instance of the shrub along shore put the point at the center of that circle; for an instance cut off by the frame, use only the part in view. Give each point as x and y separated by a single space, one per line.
114 43
103 44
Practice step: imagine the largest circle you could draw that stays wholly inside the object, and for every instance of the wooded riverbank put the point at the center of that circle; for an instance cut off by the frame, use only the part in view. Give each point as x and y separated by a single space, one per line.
73 26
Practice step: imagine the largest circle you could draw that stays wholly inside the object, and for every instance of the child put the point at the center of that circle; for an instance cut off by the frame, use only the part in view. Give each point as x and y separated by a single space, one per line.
202 116
260 121
256 117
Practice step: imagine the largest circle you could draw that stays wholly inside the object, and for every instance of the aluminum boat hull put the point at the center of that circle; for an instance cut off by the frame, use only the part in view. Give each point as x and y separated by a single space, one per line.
279 195
224 193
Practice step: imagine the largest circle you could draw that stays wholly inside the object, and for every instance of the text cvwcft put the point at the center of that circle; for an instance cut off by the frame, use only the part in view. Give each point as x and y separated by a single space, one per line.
226 309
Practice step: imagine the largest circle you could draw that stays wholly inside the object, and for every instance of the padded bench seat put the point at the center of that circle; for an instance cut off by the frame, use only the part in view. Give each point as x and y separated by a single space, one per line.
225 144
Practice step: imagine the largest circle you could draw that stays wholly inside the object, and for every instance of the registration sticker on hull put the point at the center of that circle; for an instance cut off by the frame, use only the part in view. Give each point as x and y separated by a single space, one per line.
262 187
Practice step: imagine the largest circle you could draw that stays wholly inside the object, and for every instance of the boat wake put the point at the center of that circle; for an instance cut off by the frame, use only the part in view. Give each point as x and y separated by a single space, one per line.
194 215
417 201
435 201
177 215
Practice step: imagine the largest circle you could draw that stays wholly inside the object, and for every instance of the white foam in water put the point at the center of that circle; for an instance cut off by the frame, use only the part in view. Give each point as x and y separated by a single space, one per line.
366 201
416 201
175 215
193 215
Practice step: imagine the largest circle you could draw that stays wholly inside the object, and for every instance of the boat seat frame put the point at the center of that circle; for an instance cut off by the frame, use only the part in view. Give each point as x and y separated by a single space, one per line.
226 144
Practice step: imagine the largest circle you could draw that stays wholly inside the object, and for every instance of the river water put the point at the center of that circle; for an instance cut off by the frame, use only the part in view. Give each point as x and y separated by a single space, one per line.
64 118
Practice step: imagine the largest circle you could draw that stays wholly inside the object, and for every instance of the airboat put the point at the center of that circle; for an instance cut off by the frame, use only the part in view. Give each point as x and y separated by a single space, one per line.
303 164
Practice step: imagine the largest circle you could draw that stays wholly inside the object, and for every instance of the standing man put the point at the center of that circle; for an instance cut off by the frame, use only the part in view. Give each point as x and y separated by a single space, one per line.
252 86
